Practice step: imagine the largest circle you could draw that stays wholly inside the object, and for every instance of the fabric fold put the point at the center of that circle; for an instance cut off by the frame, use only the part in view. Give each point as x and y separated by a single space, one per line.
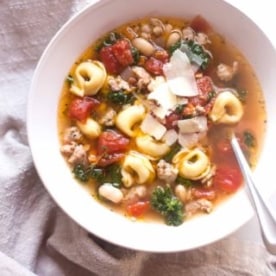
37 238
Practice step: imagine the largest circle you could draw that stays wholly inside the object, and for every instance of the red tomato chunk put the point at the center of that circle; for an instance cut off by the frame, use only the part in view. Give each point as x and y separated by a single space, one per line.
122 51
112 65
205 85
138 208
207 193
171 120
154 66
80 108
117 56
108 159
111 141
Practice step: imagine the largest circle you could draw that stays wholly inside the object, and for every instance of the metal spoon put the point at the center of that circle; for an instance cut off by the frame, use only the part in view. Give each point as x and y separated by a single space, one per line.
266 215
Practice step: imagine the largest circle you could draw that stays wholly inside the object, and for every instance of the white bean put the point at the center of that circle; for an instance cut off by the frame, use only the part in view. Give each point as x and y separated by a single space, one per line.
108 191
157 30
146 28
145 35
173 38
157 22
143 46
168 28
181 192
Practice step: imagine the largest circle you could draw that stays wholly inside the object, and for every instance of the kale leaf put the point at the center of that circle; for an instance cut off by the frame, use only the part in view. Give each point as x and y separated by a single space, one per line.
120 97
170 207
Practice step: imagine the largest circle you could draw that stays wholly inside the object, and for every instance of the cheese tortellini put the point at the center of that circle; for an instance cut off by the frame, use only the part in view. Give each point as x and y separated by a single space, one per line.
128 118
192 164
227 109
152 147
90 128
137 169
89 78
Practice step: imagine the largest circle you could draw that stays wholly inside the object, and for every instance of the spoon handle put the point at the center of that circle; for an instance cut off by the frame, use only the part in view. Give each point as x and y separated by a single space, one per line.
265 215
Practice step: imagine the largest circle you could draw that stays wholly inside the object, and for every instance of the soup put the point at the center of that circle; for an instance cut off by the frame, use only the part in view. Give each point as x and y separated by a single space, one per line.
146 114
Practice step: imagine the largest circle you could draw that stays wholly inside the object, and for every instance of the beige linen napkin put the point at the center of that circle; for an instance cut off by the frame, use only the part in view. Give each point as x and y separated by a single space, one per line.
36 237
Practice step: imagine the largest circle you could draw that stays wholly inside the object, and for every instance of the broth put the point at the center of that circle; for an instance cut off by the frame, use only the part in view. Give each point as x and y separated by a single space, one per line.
114 161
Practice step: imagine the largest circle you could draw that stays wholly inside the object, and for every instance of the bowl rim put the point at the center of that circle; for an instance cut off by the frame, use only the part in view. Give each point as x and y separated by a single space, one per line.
245 217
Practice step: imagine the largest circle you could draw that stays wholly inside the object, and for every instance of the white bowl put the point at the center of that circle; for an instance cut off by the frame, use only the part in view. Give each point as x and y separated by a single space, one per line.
73 38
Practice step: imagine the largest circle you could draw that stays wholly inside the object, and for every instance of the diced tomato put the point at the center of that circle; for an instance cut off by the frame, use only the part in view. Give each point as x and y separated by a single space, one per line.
111 141
122 51
108 159
80 108
154 66
200 24
111 63
117 56
204 85
205 88
138 208
171 120
228 178
206 193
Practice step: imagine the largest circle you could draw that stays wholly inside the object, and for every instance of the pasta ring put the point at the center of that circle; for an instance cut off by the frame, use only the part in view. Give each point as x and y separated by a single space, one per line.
89 78
89 128
192 164
136 168
151 147
227 109
128 118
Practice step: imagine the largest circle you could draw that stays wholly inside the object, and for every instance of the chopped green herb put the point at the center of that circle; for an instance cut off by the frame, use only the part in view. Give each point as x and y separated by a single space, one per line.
249 139
81 173
179 108
109 174
174 150
184 181
120 97
195 52
109 40
97 174
113 175
174 47
196 48
69 79
170 207
242 94
135 54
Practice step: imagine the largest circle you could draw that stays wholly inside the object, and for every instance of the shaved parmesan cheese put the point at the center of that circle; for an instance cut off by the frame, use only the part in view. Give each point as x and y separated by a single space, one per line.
181 100
188 140
165 99
154 83
180 75
152 127
196 124
170 137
